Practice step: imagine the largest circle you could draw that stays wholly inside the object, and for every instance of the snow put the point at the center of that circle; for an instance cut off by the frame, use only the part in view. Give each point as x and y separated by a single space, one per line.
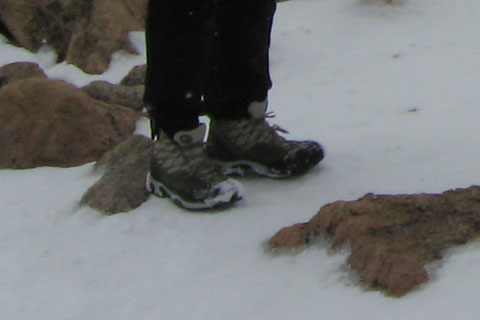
391 92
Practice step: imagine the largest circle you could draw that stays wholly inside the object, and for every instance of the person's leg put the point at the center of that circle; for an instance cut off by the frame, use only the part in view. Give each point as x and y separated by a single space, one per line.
239 59
179 36
240 137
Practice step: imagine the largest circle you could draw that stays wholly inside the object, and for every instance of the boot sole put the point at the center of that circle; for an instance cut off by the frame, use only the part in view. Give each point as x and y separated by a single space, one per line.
245 167
232 192
296 163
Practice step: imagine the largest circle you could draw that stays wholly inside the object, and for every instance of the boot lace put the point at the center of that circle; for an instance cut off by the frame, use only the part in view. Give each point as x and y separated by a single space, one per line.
202 166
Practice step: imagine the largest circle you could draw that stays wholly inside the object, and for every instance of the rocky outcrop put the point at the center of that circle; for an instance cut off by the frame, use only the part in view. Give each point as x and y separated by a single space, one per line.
122 186
84 33
127 96
13 72
52 123
392 237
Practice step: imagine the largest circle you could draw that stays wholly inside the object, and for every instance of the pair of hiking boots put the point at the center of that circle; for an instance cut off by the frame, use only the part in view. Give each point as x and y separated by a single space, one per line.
194 174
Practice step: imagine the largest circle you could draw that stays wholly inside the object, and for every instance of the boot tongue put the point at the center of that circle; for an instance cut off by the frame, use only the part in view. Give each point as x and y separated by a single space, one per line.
257 109
187 137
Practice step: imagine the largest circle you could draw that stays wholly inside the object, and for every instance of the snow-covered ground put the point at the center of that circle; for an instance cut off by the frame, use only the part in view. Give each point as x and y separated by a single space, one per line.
393 94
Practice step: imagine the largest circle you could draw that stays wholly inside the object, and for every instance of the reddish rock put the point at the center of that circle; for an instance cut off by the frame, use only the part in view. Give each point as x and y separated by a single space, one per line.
52 123
292 237
392 237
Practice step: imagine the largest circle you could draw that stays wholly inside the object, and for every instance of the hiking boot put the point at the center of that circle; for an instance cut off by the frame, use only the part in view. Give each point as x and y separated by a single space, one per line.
253 145
182 171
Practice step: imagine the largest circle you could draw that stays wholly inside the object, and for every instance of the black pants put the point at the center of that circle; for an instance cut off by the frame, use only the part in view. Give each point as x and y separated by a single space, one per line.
205 57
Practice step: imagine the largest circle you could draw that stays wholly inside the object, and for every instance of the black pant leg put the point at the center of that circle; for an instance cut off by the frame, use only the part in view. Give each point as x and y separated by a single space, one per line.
179 36
239 59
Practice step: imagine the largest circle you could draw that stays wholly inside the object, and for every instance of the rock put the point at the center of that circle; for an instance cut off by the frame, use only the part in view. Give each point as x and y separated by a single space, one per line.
102 32
292 237
31 23
84 33
392 237
135 77
5 32
122 186
137 8
52 123
131 97
19 70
